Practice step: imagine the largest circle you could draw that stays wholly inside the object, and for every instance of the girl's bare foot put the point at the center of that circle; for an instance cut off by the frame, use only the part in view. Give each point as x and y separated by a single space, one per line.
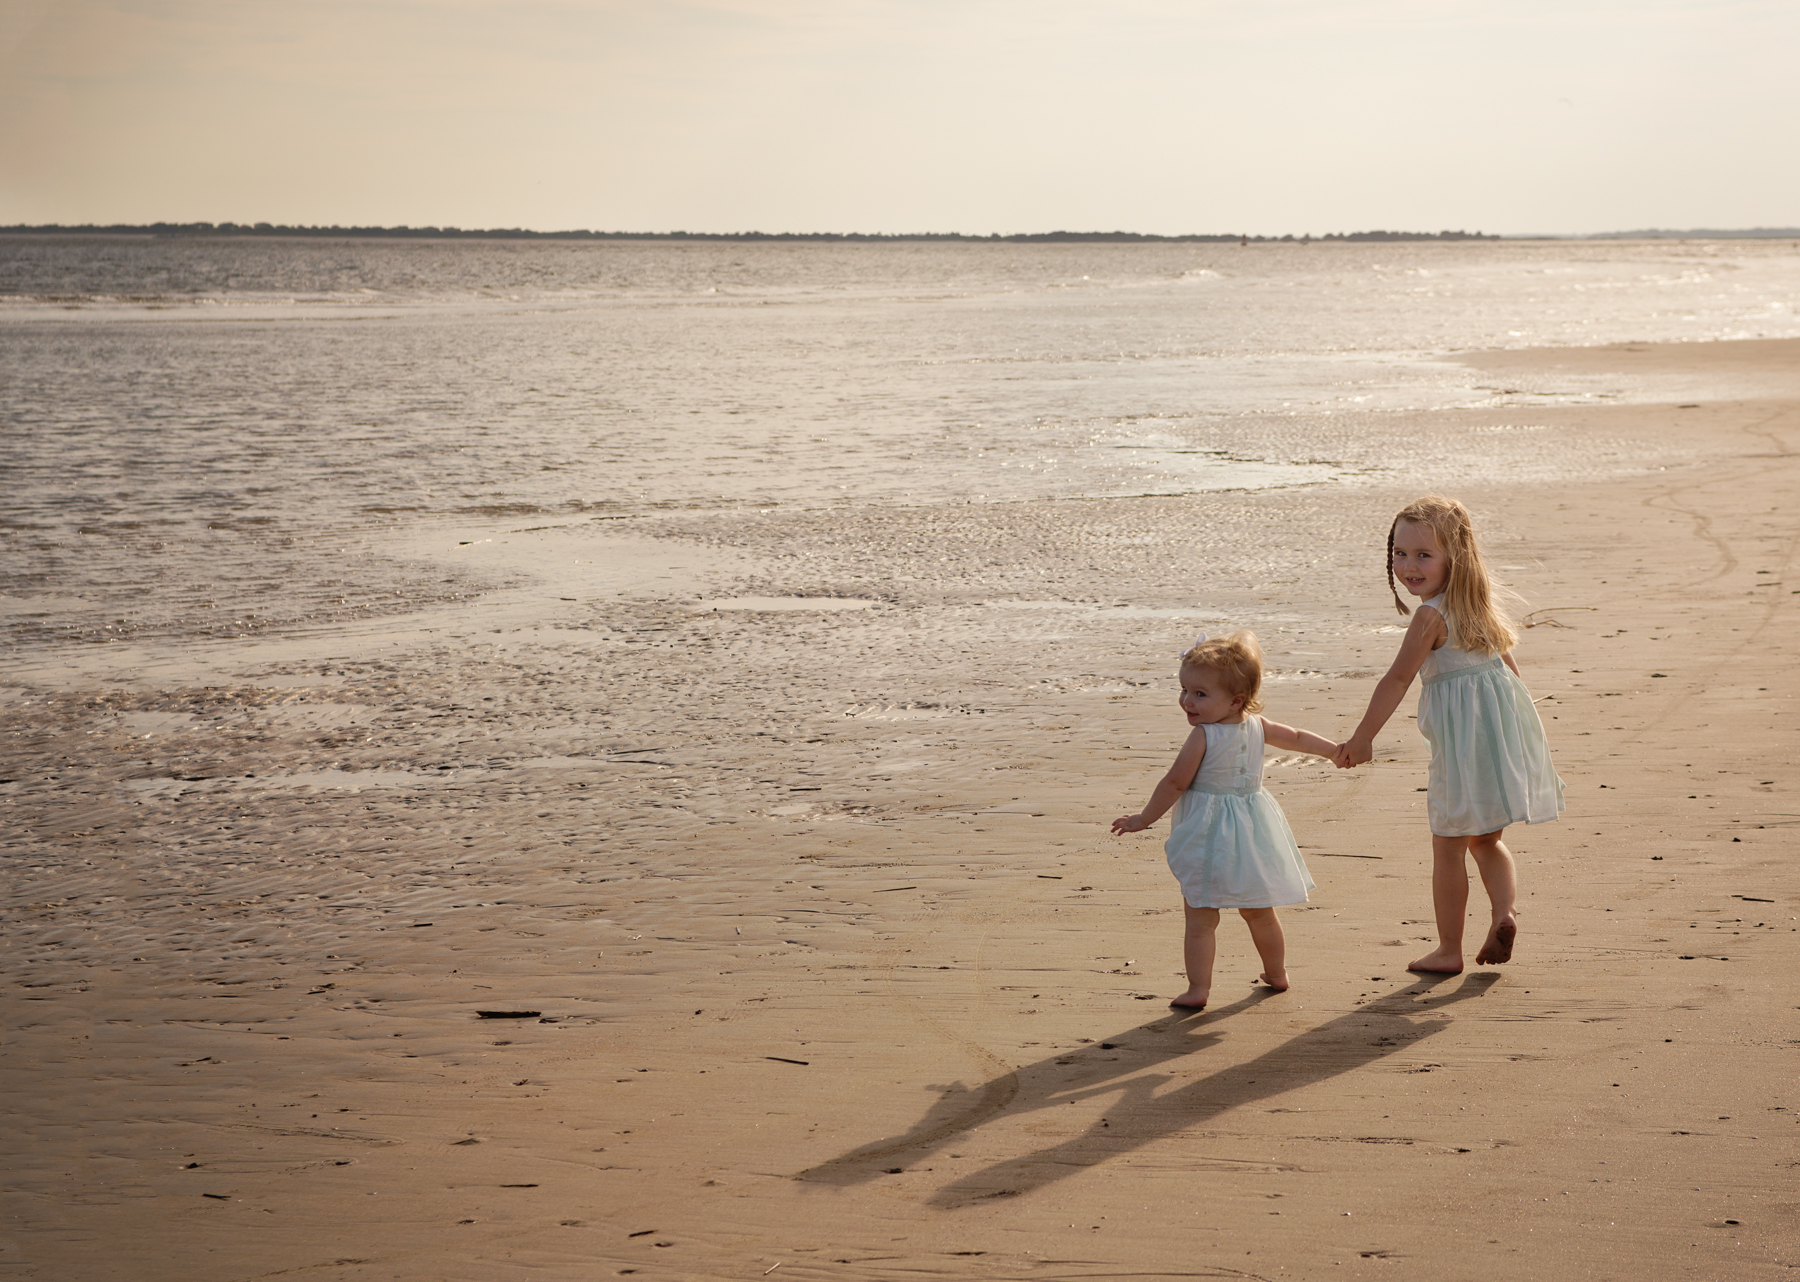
1439 963
1193 999
1499 945
1278 982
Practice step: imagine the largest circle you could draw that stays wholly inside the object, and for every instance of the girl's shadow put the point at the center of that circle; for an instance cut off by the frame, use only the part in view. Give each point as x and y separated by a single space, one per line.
1116 1064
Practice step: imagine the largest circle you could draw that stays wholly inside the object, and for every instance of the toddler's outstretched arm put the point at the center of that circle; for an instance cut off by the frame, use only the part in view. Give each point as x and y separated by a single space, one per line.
1292 739
1170 787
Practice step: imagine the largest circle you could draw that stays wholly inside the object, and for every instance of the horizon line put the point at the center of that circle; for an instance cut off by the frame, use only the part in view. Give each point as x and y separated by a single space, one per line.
404 231
446 232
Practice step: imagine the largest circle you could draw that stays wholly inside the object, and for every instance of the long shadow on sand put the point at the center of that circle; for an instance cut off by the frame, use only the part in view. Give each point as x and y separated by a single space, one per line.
1117 1064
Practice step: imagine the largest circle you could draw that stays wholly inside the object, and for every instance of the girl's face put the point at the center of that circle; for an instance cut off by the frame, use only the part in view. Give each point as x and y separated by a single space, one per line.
1205 699
1419 562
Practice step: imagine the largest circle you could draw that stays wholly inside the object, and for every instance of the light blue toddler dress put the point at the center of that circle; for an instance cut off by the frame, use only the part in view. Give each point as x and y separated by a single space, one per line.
1490 762
1231 846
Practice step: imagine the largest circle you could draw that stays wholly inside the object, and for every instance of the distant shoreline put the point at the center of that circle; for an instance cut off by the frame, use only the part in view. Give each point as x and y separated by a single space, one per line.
519 233
176 231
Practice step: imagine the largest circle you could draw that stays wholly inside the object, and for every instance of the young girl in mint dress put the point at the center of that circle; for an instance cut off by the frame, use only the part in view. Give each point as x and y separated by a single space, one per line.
1230 846
1490 763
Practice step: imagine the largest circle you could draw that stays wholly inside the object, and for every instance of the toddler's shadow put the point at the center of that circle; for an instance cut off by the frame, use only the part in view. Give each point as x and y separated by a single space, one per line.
1117 1064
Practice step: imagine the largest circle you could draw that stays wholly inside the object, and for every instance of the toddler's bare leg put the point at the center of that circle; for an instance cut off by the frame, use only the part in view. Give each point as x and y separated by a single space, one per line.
1271 945
1500 879
1198 949
1450 900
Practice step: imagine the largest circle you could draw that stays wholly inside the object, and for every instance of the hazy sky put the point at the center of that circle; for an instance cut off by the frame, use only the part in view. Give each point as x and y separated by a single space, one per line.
1267 116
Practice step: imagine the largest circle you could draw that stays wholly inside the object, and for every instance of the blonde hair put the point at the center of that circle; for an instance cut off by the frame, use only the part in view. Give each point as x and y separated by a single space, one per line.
1471 606
1238 661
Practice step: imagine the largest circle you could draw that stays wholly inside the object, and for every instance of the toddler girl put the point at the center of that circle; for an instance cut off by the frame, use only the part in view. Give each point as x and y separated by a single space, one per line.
1230 846
1490 764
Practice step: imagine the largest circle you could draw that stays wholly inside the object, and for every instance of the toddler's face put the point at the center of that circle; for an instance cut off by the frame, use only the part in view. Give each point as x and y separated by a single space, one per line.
1205 699
1419 563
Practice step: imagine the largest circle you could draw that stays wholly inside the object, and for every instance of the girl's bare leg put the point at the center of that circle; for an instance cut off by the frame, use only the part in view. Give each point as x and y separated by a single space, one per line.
1271 945
1450 900
1198 949
1499 878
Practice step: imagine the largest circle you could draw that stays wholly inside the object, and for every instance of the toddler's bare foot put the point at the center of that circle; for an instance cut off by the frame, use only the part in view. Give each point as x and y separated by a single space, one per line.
1278 982
1439 962
1193 999
1499 945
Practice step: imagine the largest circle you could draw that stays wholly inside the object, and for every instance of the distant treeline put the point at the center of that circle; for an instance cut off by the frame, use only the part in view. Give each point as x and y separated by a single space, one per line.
1701 233
520 233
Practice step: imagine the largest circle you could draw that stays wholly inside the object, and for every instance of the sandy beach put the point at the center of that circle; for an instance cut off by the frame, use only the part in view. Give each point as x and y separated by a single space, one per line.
731 896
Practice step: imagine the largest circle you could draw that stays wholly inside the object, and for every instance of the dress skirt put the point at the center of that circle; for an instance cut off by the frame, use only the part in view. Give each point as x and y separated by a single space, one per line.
1490 762
1232 849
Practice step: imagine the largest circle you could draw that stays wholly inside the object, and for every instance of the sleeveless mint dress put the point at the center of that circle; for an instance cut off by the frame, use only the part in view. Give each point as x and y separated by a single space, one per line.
1490 762
1230 846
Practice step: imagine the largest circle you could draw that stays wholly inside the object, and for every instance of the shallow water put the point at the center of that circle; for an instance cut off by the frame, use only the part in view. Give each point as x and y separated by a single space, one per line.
213 437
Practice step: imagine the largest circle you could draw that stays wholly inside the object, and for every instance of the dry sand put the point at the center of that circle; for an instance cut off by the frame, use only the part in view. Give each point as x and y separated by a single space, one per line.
836 970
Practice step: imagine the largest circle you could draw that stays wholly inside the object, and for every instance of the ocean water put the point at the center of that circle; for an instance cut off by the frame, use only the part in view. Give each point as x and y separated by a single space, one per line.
206 436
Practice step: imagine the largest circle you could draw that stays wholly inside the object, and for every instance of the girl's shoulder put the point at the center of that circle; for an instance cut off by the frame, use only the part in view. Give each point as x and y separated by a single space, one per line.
1430 617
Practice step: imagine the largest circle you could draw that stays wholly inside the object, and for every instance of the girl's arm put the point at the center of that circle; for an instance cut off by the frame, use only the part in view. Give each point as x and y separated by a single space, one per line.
1290 739
1425 634
1508 660
1170 787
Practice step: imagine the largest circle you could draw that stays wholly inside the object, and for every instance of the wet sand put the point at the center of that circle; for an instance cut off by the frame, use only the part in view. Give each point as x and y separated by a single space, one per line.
402 951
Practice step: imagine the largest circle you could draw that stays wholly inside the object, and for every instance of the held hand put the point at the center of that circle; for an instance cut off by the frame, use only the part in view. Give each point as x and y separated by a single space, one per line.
1350 753
1128 823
